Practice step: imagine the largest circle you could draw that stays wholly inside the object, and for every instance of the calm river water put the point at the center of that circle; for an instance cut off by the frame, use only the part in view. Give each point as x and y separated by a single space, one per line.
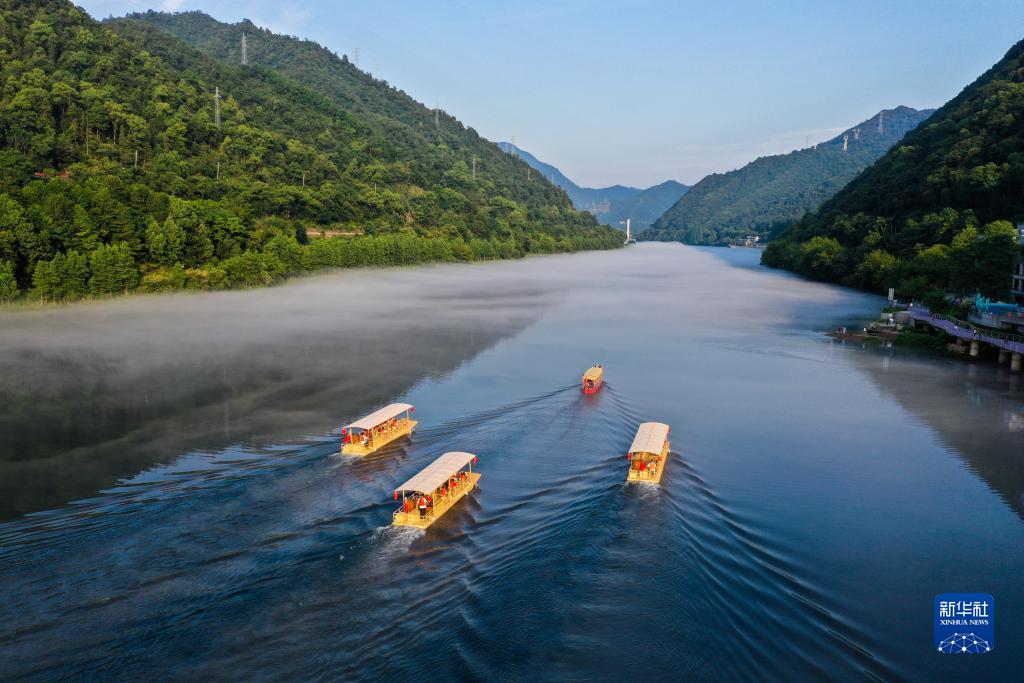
172 504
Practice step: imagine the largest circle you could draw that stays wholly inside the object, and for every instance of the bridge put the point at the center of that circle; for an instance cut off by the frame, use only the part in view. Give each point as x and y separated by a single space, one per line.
1009 345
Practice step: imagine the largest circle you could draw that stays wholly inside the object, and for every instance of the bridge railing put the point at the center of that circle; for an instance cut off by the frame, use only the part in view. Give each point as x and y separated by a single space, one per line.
924 314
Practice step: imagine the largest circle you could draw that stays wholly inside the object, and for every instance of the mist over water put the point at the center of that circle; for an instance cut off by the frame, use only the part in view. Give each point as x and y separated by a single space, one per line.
192 517
97 392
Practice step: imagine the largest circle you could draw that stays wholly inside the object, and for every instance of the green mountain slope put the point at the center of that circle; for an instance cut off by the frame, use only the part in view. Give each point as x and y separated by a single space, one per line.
773 191
610 205
933 212
434 144
114 172
647 206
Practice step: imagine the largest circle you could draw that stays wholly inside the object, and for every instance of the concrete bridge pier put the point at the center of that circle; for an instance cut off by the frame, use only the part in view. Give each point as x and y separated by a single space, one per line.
1015 362
1003 355
975 346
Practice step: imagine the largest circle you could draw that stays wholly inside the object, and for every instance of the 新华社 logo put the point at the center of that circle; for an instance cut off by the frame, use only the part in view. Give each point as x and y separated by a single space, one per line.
965 623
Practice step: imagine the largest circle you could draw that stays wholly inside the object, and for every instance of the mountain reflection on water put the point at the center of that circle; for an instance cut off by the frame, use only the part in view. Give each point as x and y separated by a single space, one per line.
976 410
816 499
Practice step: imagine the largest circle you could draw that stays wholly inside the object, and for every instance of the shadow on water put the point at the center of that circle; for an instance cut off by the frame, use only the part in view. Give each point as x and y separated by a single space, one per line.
976 409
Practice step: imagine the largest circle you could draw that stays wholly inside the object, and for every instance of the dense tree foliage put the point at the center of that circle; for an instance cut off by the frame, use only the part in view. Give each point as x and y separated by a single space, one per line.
934 212
766 195
115 174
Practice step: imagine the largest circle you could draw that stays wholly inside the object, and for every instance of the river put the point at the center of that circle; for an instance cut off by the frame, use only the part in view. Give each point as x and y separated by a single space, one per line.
173 504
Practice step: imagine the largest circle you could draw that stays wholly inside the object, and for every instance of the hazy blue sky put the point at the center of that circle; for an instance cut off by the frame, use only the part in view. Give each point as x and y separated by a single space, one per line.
639 91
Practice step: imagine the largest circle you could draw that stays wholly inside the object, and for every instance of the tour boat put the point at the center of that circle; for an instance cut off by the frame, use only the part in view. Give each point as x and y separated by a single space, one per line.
434 491
649 452
593 379
377 429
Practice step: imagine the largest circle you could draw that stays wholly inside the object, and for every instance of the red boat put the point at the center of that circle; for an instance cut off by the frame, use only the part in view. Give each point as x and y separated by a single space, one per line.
593 379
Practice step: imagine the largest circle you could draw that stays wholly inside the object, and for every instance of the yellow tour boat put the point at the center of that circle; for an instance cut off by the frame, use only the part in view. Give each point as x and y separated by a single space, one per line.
434 491
648 453
377 429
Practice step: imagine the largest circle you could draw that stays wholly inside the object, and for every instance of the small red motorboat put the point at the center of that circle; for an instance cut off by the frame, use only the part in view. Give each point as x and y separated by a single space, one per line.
593 379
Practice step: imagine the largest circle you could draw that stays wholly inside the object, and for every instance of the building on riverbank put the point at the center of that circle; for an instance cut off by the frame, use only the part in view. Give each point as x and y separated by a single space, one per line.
1018 277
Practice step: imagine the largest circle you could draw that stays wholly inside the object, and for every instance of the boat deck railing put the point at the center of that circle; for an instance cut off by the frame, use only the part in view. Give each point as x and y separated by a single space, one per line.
383 436
641 475
441 505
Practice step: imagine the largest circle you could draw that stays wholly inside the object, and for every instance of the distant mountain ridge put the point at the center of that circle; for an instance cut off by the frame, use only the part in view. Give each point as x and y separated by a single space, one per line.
936 212
770 192
609 204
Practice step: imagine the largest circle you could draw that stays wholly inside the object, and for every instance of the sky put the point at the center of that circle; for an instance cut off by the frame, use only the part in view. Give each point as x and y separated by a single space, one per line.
636 92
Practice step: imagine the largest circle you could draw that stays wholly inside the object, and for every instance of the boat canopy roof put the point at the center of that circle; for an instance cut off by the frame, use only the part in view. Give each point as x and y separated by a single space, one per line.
380 416
594 373
650 438
437 472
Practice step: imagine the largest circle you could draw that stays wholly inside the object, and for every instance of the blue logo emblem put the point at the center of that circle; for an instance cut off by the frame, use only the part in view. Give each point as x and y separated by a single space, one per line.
965 623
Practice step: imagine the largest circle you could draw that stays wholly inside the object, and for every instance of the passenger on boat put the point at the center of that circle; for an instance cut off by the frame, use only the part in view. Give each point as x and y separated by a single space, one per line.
423 507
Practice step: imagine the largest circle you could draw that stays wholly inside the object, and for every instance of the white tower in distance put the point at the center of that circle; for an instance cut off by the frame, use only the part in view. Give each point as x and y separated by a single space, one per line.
245 51
846 141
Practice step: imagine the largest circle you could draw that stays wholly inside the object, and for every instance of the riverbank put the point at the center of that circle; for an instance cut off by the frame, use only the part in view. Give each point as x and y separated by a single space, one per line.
917 327
73 278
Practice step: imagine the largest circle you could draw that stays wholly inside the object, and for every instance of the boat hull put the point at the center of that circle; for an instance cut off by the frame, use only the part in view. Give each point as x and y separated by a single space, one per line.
441 506
380 442
593 389
635 476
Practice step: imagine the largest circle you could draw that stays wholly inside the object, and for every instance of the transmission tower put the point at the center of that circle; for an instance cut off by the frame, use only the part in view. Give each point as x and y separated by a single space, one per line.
474 166
437 118
216 105
846 141
881 122
856 133
245 51
355 57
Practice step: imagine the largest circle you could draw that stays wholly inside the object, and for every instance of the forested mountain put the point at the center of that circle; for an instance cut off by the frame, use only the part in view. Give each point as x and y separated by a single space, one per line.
934 212
115 171
609 204
648 205
769 193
